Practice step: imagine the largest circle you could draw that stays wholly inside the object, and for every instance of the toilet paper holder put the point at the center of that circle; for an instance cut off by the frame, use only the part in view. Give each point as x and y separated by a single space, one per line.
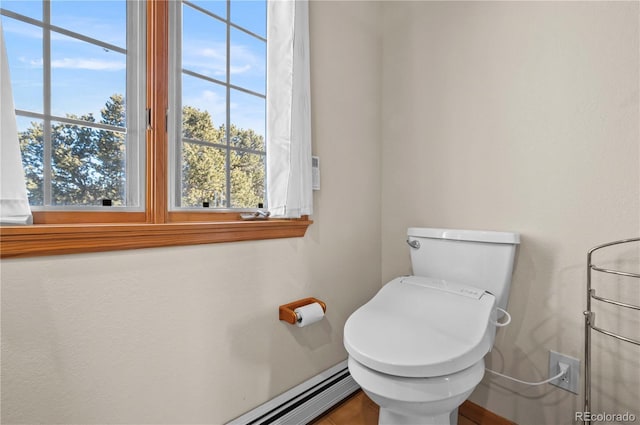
287 313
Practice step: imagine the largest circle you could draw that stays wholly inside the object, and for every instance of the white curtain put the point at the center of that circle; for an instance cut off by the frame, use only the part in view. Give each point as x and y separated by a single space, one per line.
289 191
14 203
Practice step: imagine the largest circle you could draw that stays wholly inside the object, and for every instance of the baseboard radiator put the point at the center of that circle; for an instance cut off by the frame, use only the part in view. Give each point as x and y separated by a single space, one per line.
305 402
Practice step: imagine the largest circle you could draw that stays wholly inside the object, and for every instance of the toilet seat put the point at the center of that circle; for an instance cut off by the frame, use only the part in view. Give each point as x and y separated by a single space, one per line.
417 390
420 327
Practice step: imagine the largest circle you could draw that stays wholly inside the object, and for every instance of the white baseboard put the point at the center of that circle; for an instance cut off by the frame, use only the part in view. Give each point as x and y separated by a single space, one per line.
305 402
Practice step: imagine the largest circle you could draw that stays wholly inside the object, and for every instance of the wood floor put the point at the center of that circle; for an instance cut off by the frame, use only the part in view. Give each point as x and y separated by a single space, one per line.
360 410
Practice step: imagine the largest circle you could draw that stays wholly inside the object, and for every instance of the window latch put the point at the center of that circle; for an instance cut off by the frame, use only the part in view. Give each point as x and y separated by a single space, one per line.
258 215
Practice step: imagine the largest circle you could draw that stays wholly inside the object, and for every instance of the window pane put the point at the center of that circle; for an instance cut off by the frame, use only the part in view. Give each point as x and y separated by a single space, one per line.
247 121
87 165
204 110
204 44
32 9
247 179
221 166
251 15
218 7
24 51
102 20
248 61
67 163
203 176
30 134
84 78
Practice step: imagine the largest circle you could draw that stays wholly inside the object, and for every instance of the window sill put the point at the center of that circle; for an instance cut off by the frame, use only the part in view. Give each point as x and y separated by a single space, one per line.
54 239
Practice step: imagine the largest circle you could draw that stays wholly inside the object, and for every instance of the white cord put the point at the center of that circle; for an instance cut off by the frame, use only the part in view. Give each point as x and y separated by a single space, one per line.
563 366
506 313
563 371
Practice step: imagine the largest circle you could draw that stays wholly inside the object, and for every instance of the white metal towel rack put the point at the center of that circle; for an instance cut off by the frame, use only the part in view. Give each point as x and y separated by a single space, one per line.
589 318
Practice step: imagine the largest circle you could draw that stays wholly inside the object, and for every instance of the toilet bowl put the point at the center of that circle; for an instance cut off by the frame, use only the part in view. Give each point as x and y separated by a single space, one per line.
413 401
417 347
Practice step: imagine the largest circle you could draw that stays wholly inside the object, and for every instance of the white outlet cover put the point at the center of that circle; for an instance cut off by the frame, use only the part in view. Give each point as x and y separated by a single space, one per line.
315 173
571 381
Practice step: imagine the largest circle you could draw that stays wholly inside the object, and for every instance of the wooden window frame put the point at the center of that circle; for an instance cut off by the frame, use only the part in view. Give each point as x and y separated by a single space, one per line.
69 232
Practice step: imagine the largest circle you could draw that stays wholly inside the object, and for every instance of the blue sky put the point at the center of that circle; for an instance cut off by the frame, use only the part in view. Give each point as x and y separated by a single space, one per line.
85 75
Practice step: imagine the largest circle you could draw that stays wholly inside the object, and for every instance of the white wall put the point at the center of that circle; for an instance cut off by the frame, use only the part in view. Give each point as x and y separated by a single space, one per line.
521 116
191 334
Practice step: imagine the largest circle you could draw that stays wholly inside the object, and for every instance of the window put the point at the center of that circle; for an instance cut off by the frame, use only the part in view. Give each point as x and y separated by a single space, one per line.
141 206
218 90
78 79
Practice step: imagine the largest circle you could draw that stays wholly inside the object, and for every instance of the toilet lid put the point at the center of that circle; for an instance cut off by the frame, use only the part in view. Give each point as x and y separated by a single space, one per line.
419 327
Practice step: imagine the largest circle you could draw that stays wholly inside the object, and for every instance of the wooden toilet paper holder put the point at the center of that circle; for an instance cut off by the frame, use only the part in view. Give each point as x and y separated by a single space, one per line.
288 314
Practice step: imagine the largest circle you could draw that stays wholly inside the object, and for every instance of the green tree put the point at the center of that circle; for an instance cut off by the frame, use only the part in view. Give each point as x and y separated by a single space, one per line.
88 164
111 151
204 167
32 149
247 169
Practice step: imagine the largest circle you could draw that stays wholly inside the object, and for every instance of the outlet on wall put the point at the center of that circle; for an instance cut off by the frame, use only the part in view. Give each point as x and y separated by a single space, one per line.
570 380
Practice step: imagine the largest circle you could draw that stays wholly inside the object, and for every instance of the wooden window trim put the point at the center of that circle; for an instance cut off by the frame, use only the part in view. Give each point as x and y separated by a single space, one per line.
56 232
28 241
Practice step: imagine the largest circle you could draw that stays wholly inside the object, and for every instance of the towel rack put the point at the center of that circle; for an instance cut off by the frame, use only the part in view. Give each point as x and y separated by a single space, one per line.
589 318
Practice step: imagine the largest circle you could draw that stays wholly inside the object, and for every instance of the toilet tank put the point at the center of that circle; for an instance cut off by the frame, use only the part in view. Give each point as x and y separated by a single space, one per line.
482 259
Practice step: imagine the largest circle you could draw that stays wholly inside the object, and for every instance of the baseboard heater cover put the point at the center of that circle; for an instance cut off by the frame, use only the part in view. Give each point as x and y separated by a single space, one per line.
305 402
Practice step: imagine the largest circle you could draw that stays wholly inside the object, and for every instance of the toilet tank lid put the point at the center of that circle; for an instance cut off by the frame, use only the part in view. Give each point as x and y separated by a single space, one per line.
465 235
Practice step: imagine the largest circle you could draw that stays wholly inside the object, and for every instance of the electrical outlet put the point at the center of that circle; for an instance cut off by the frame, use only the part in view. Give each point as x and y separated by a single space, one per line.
570 380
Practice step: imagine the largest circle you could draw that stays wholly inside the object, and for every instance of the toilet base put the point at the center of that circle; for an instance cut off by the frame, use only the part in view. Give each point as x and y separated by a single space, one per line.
388 417
417 401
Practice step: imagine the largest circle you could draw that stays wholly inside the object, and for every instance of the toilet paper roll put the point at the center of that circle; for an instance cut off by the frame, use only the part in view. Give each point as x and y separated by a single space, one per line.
308 314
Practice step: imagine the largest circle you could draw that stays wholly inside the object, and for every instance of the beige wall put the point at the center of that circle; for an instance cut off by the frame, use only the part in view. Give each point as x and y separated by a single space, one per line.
191 335
508 116
520 116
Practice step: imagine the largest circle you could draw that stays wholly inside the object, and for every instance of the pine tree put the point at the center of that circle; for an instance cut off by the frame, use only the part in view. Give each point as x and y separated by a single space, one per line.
111 151
204 171
73 170
32 149
203 167
88 164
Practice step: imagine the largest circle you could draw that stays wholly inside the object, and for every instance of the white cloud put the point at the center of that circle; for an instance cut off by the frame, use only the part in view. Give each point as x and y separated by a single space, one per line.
217 53
35 63
207 100
211 60
244 60
205 60
235 70
16 28
90 64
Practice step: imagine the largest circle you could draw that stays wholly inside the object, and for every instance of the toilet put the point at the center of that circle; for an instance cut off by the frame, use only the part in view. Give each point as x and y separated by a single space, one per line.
417 347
